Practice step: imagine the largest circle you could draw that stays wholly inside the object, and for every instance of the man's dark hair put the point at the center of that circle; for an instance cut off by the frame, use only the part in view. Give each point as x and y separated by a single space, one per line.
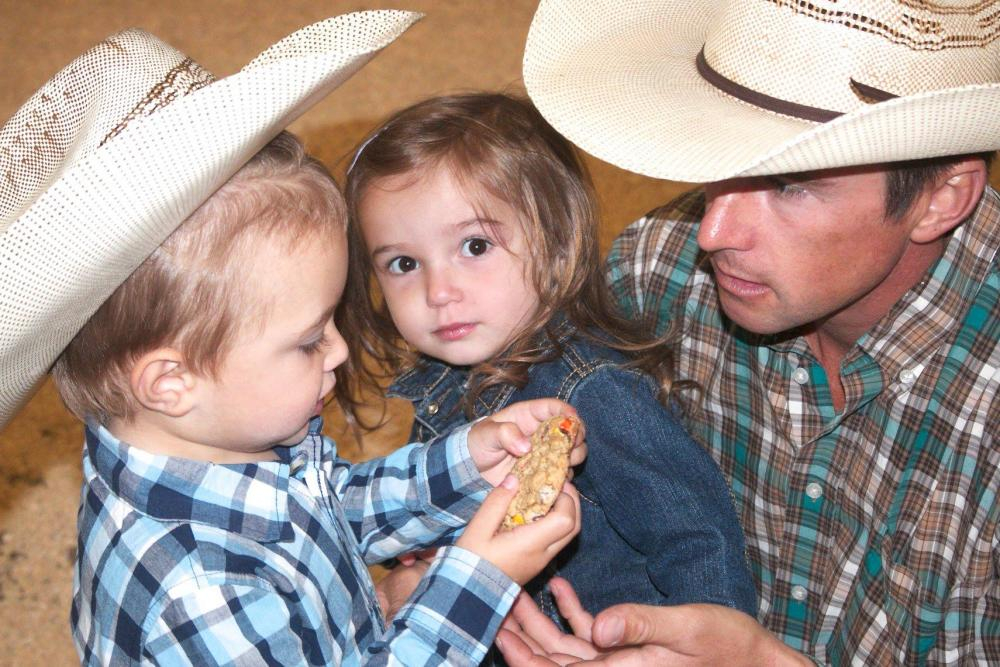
906 180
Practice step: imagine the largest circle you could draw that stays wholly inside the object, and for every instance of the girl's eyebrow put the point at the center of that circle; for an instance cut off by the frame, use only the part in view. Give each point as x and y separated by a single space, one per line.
461 225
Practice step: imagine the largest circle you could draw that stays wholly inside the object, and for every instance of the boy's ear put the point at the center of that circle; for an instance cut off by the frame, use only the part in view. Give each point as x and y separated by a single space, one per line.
952 199
161 382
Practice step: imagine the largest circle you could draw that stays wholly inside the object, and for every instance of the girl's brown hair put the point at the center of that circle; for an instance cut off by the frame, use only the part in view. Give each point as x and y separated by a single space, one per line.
190 292
498 147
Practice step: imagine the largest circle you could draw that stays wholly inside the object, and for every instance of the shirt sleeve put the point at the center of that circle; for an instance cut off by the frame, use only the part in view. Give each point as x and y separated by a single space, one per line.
416 496
451 619
455 612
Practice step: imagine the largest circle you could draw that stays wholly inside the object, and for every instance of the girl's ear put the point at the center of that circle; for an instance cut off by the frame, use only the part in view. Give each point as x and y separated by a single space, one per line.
952 199
161 382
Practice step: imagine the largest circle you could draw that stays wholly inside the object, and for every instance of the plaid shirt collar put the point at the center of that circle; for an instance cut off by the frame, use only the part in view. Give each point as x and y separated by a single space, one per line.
250 499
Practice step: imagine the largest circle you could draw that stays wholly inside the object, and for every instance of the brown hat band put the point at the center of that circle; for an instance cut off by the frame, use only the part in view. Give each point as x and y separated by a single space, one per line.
758 99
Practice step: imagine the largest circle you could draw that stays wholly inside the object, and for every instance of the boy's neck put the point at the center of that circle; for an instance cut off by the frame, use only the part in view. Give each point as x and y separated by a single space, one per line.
150 434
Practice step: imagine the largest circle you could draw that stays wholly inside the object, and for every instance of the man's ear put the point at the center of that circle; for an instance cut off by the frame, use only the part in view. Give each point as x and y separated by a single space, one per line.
952 198
161 382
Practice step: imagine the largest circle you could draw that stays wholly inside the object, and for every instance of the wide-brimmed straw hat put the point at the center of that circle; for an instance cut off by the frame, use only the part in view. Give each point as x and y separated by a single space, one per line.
704 90
106 159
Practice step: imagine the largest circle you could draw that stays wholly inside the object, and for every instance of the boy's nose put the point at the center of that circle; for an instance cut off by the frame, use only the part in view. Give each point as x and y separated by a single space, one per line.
336 351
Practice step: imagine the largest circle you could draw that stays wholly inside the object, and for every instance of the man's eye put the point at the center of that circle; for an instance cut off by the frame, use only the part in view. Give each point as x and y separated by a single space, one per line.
475 246
787 188
402 264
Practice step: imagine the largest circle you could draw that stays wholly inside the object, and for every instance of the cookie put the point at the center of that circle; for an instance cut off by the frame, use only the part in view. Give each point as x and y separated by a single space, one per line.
542 471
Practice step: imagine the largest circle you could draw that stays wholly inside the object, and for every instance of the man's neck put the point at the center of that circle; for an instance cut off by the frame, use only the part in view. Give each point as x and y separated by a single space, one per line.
832 338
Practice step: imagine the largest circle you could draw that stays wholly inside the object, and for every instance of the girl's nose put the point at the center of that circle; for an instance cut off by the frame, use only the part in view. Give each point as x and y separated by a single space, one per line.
442 287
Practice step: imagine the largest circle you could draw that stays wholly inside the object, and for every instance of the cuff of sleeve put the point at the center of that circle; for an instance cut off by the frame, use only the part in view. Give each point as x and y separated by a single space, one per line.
455 483
463 600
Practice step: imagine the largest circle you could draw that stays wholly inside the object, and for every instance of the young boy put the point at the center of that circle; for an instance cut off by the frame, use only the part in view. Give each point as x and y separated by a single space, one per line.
217 525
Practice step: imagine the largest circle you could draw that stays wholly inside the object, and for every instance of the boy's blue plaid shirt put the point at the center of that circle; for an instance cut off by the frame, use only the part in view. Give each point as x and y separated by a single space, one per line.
872 534
182 562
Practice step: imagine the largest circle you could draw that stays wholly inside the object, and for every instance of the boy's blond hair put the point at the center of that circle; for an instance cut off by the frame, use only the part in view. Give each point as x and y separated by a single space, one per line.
191 293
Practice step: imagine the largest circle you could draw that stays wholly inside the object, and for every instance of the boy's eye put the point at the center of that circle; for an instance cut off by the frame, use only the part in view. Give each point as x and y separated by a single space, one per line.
475 246
314 346
402 264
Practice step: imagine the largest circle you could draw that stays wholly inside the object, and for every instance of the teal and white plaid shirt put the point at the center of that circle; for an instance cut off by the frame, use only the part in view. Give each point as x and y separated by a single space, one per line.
872 534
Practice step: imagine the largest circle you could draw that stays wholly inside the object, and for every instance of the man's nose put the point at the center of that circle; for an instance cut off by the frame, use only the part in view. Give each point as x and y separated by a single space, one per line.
728 217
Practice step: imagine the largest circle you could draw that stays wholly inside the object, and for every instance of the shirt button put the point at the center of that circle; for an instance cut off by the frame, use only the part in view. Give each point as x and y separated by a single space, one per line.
814 490
432 408
800 375
799 592
907 376
297 463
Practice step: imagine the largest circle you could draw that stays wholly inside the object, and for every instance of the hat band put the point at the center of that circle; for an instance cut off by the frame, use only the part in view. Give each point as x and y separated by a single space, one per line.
761 100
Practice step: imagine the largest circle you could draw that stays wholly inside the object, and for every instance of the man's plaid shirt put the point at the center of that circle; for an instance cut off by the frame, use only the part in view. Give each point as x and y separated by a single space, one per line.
872 533
189 563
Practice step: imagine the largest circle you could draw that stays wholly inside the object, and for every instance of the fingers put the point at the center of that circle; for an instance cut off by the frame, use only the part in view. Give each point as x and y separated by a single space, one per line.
518 654
571 609
568 505
490 514
630 624
529 414
513 439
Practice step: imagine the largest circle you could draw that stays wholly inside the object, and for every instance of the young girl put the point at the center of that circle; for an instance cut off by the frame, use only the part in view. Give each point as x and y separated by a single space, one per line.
478 223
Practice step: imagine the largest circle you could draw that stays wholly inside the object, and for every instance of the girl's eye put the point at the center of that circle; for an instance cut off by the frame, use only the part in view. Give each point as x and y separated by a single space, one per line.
475 246
402 264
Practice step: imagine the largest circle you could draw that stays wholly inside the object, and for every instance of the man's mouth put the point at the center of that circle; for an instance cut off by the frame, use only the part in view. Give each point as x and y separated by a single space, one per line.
736 285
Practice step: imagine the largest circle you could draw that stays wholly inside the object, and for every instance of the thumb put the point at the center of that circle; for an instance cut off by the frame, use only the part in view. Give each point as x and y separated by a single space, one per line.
630 624
490 515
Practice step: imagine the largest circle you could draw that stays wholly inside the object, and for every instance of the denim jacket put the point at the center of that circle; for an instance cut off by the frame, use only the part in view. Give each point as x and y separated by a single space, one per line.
658 524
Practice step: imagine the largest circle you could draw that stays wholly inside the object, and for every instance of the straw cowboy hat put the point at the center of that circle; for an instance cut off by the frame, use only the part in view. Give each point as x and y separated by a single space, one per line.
704 90
107 158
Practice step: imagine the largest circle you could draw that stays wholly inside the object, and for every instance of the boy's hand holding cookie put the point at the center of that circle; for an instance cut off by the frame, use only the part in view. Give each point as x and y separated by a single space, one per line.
524 552
497 441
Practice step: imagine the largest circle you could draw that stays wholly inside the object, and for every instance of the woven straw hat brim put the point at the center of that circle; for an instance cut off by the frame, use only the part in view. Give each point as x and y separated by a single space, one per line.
88 231
619 79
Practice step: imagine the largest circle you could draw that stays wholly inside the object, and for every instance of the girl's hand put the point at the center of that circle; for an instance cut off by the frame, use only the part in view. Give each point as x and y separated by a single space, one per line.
523 552
496 441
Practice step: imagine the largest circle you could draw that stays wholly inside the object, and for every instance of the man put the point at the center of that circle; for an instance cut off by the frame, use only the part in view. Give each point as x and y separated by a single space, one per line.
834 289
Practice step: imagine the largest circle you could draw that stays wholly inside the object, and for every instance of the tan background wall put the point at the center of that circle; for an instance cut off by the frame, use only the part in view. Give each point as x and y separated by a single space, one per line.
460 45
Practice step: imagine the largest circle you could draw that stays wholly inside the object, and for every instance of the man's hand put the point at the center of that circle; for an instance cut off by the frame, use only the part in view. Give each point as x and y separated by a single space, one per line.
398 584
633 635
497 441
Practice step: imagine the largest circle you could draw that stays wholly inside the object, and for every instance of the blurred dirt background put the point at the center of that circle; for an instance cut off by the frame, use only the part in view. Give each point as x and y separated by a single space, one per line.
459 45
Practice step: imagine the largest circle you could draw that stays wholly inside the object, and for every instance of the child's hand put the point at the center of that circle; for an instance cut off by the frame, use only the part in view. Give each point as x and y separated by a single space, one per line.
523 552
496 441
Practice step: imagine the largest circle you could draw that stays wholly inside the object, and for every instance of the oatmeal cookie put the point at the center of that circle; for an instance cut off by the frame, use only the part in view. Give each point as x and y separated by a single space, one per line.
542 471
